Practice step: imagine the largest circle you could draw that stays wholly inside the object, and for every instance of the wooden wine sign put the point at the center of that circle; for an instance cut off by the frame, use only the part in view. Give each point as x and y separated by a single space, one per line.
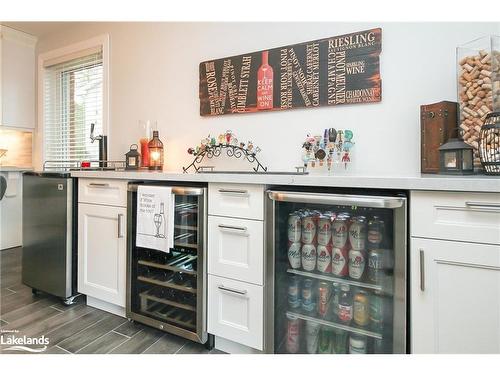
339 70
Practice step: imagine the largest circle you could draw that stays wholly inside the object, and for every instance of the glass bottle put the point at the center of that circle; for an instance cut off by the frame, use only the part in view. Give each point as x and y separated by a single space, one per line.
155 147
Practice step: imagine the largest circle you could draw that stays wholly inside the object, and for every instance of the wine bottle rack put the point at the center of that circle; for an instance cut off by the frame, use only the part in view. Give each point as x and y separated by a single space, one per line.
168 284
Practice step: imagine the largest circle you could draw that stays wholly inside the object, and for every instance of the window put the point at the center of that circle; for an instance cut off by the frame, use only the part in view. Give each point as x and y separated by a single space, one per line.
73 99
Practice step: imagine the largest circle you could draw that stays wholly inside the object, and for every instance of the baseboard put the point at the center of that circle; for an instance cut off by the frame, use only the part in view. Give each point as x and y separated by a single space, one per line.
232 347
106 306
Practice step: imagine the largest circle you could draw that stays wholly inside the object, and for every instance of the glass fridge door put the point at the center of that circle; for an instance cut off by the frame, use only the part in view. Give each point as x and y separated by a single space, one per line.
339 274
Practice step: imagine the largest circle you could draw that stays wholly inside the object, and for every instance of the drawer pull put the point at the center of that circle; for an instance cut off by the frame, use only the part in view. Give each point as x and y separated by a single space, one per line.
233 191
230 227
487 205
231 290
422 271
96 184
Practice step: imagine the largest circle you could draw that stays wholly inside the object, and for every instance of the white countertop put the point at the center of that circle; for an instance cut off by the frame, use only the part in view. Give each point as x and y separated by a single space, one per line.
425 182
14 169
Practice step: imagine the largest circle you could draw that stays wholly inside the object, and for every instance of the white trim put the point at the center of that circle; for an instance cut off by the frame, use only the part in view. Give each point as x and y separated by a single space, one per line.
98 41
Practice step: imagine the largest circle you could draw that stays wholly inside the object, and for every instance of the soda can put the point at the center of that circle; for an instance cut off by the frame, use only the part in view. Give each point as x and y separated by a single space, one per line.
294 254
357 233
376 266
294 227
376 311
324 230
325 340
357 344
340 230
335 299
308 229
340 261
294 292
361 308
376 232
308 257
312 337
293 335
357 264
324 261
339 345
324 295
307 295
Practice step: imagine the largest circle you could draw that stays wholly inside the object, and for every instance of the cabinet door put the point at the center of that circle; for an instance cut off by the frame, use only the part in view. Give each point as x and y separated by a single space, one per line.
235 311
455 297
102 252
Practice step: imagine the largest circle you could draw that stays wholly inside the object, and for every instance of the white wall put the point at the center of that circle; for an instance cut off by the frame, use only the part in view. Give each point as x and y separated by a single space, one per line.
154 75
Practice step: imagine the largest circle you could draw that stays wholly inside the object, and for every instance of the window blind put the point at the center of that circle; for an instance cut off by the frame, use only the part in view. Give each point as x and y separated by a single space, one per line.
73 100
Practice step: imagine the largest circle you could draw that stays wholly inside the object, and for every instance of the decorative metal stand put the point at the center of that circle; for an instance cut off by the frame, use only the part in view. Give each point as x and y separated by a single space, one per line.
211 151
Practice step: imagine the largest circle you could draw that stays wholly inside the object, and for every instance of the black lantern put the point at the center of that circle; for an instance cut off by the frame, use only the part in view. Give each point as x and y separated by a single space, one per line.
155 152
132 157
456 157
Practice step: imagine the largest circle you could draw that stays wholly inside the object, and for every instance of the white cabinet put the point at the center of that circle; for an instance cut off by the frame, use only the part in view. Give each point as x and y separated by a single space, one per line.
102 252
235 311
11 211
17 78
106 192
236 200
455 305
236 249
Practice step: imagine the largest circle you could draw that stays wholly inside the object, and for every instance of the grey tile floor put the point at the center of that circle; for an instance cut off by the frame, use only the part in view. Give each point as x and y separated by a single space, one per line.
78 328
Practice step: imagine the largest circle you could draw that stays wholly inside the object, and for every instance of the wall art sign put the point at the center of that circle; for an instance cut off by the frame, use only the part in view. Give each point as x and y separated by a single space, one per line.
339 70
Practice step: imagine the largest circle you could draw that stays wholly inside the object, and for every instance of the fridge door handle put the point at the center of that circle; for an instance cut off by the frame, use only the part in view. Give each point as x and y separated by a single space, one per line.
231 290
234 192
483 205
120 226
422 270
99 185
337 199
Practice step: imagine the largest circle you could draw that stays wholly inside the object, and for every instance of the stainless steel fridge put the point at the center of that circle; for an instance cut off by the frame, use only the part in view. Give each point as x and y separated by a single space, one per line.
336 268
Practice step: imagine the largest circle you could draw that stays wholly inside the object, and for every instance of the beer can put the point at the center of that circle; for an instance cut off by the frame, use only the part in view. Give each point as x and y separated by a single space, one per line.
294 227
324 295
376 311
340 261
357 344
357 233
335 299
361 308
307 296
312 337
376 262
376 232
308 257
340 230
357 263
324 261
339 345
294 292
324 230
325 340
293 335
294 254
308 229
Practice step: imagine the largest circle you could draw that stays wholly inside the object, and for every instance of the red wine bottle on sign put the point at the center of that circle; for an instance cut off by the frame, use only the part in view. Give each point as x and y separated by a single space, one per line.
265 84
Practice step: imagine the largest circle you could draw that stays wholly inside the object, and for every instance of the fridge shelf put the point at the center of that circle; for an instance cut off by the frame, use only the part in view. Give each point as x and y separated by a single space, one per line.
176 265
185 244
145 296
343 327
322 276
186 227
167 284
170 315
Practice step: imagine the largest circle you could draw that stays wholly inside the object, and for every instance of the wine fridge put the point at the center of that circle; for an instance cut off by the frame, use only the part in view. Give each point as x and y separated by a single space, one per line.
336 272
167 290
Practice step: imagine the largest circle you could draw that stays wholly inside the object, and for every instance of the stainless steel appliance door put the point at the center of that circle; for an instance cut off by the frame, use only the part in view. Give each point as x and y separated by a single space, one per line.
293 286
47 234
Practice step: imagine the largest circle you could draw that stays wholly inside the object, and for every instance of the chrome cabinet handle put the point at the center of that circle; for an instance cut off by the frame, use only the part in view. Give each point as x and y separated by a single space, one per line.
230 227
120 226
233 191
231 290
422 271
488 205
96 184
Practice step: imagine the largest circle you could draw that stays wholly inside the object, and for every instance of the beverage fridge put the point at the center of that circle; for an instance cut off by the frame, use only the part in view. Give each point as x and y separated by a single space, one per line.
167 290
336 272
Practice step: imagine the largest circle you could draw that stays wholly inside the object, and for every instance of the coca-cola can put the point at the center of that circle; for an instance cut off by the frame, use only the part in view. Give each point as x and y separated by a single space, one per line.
357 233
294 227
309 257
324 261
324 230
340 261
308 229
293 335
294 256
340 230
324 295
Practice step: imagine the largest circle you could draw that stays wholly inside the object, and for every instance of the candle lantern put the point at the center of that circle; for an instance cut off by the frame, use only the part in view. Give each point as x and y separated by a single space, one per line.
132 158
456 157
155 147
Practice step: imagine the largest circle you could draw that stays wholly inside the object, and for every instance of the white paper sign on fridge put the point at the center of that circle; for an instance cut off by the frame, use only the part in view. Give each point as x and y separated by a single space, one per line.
155 217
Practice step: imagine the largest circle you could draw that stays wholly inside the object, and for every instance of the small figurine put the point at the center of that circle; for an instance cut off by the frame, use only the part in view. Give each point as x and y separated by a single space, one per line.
257 149
242 145
234 141
190 151
250 146
346 159
212 141
221 138
229 135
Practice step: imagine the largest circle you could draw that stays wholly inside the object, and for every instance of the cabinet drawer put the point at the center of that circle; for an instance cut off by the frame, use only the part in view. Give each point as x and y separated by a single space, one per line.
99 191
236 200
470 217
236 249
235 311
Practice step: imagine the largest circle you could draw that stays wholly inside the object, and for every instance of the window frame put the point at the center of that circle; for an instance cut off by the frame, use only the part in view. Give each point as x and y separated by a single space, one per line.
101 41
